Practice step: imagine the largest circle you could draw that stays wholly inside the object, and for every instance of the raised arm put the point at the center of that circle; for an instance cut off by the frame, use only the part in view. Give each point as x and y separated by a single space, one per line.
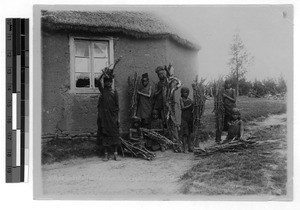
99 83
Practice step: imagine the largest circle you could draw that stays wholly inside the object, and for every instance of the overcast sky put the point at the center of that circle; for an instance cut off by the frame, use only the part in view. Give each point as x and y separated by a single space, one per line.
267 32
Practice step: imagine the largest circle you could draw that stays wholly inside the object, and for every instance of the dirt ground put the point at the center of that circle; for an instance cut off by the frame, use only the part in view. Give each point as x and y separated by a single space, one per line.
126 178
130 178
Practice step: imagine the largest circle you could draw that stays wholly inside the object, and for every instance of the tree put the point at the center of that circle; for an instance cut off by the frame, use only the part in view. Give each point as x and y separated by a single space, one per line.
240 60
270 86
282 88
259 88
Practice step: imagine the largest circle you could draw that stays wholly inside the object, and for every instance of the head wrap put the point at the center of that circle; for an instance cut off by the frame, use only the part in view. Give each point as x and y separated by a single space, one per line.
145 76
158 69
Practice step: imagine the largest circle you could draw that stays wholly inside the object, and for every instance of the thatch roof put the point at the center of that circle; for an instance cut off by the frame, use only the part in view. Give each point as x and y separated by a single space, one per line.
136 24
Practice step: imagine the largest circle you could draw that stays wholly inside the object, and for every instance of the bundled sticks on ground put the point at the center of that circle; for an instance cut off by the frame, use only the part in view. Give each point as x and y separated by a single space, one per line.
219 109
232 146
199 104
133 88
136 149
156 136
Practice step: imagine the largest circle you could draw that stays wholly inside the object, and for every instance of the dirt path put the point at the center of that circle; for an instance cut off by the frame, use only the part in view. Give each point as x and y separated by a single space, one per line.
130 178
126 178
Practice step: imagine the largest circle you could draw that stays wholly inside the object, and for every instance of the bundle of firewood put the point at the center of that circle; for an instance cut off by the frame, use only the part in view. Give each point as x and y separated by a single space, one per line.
156 136
199 105
219 109
136 149
109 70
173 83
232 146
133 88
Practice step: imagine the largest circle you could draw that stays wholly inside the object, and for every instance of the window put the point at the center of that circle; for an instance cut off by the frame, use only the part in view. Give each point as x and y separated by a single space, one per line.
88 58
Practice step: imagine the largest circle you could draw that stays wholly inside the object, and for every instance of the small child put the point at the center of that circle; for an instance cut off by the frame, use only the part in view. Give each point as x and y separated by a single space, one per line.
235 126
156 123
157 126
135 133
186 105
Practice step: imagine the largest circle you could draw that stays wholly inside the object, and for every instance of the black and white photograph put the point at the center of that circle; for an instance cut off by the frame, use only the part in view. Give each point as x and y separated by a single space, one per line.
177 102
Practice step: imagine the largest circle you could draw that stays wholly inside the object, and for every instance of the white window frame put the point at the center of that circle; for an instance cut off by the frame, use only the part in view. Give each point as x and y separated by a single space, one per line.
73 88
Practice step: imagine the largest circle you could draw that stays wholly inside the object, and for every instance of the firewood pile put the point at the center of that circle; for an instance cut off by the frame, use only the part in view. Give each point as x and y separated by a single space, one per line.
232 146
109 70
136 149
173 83
219 109
133 88
199 105
156 136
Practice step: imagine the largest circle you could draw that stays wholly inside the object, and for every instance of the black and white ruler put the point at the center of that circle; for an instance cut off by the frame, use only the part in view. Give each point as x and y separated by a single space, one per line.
17 99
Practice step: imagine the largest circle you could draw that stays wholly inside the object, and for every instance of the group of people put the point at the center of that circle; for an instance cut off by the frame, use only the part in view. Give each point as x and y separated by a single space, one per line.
151 115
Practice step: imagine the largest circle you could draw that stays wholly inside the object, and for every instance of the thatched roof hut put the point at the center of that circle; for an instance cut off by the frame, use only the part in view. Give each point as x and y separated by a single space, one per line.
76 45
136 24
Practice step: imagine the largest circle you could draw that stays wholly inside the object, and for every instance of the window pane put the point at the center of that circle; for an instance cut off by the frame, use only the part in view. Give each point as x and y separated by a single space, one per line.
99 64
82 80
82 48
101 49
82 65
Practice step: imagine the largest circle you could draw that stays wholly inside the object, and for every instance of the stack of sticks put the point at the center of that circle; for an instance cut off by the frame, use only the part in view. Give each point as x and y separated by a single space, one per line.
199 105
133 88
219 109
173 83
156 136
232 146
136 150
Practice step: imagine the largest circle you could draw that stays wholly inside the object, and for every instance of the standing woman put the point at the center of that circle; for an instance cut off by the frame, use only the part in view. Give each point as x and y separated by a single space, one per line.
108 115
229 101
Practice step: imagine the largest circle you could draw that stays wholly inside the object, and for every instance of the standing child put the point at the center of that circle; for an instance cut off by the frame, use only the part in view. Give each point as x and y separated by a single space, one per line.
158 95
235 126
108 124
186 105
144 101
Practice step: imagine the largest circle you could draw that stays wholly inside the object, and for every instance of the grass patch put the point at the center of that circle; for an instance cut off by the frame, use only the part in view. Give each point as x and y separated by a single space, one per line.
251 108
261 169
